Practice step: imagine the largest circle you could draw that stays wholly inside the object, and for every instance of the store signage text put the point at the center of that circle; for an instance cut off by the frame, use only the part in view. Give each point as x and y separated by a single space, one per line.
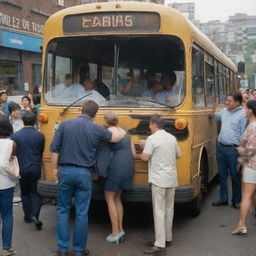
21 24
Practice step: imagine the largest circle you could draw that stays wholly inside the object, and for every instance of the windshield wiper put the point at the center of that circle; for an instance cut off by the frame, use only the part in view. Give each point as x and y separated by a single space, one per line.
73 103
154 101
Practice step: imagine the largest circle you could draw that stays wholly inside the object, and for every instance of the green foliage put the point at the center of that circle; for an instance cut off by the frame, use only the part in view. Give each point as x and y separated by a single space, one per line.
250 67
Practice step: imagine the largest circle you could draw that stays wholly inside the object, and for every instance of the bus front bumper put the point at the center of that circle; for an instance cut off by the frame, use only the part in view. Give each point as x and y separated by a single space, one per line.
142 193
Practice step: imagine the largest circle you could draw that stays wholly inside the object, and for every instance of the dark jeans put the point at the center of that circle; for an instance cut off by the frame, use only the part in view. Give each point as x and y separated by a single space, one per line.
6 197
31 200
73 182
227 161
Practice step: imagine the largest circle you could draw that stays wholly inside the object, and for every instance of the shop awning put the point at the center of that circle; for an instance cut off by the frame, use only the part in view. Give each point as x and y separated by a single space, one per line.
20 41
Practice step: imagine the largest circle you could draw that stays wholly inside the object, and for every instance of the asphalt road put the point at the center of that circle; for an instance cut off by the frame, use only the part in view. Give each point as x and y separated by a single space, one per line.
206 235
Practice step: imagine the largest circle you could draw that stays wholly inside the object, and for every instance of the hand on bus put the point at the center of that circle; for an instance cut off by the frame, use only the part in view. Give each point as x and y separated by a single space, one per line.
142 143
211 115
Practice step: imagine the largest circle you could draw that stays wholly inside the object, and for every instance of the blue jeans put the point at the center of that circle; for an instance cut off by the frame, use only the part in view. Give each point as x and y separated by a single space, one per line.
73 182
6 197
227 161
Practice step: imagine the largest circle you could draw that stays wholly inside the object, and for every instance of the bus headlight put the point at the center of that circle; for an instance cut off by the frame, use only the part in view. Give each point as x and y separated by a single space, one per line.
42 117
180 124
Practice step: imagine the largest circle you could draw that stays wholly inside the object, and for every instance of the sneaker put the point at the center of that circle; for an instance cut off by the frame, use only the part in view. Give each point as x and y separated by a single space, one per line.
16 200
7 252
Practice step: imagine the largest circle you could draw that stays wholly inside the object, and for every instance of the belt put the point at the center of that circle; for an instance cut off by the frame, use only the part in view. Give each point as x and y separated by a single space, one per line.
75 165
231 145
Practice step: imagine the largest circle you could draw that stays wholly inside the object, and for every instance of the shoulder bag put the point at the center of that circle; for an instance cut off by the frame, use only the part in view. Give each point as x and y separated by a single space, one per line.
13 168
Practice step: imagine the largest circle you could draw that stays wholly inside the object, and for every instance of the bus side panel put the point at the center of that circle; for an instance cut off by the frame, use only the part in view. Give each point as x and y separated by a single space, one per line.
205 137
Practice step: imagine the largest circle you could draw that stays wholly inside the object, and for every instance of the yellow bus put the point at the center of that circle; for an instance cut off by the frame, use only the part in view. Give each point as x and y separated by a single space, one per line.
119 45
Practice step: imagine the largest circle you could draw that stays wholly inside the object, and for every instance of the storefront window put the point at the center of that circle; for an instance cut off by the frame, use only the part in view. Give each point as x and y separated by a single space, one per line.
36 68
9 80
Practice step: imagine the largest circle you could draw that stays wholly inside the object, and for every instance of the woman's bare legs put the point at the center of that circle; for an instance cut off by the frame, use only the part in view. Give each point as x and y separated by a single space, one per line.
110 197
247 195
120 210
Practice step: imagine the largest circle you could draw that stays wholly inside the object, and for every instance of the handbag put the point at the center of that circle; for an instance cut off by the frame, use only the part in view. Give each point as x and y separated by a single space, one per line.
13 168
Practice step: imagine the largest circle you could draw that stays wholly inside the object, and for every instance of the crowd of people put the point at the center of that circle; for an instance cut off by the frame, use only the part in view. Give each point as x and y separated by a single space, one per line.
19 137
77 158
236 154
162 88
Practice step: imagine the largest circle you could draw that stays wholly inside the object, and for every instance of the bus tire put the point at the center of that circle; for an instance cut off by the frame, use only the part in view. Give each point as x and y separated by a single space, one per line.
195 204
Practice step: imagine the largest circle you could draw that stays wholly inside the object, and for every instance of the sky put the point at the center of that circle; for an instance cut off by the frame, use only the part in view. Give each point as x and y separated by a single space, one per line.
206 10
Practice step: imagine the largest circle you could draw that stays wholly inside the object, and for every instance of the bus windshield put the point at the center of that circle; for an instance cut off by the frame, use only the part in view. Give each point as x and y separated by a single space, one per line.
115 71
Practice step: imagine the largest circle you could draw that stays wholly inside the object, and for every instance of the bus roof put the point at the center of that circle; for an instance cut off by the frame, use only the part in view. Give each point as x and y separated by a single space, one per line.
183 28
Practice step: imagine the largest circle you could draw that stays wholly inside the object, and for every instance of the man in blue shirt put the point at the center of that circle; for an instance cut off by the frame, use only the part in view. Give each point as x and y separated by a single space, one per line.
74 154
30 147
233 123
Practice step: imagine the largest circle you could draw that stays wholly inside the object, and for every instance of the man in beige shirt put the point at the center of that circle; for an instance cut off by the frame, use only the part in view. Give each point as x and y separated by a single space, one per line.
161 150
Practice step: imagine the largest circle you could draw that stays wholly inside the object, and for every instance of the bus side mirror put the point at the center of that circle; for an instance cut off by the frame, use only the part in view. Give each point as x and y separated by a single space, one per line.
241 67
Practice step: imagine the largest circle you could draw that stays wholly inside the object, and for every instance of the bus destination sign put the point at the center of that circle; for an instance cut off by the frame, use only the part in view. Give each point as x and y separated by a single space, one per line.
111 22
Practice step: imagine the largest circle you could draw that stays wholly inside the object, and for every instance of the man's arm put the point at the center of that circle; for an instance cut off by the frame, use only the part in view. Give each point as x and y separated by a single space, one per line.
55 149
212 114
178 153
117 134
148 149
144 156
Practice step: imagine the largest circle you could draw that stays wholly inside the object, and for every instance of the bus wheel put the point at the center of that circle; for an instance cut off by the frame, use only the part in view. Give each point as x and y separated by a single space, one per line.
195 204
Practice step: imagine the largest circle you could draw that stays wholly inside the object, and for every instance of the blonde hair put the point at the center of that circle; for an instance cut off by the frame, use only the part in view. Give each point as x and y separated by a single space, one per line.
111 118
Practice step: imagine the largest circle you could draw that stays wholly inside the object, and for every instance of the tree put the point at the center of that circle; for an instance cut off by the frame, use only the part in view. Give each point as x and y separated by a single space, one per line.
250 66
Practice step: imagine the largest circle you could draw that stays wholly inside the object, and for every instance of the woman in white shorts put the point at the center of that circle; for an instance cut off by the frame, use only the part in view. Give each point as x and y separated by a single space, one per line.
247 152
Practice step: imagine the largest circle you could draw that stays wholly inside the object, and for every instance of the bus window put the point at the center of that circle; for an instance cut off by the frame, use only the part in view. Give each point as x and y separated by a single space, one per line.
222 90
228 81
131 70
93 71
63 67
106 77
210 90
198 93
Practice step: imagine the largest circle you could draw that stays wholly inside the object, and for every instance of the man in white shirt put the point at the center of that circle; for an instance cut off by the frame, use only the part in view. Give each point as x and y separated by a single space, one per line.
92 94
67 89
161 150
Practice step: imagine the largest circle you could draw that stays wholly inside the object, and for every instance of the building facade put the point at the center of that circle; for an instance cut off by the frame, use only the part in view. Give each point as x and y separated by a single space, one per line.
21 30
187 9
